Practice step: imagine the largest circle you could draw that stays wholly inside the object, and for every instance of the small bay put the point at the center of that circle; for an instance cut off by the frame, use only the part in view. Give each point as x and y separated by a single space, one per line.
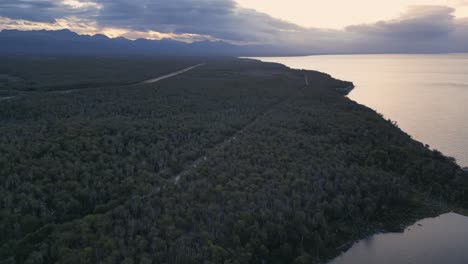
439 240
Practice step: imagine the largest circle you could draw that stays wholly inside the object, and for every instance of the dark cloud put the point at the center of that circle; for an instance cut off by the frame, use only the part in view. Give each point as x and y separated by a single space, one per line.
221 19
28 10
40 10
421 29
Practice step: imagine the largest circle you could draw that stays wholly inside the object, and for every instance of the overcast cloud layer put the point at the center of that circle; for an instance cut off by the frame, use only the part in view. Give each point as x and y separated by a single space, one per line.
420 29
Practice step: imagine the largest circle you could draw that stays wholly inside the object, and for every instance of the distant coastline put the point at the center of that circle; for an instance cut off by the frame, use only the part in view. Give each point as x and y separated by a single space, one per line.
346 90
399 87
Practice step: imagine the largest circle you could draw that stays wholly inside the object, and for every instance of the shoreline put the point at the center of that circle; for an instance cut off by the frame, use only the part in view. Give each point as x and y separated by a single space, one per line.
346 90
359 54
407 218
316 146
450 148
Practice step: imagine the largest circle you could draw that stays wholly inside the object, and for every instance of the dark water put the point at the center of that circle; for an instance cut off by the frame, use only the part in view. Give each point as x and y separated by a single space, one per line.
439 240
427 95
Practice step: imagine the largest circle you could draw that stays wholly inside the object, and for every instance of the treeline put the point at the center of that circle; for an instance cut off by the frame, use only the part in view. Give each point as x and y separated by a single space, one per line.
49 73
88 177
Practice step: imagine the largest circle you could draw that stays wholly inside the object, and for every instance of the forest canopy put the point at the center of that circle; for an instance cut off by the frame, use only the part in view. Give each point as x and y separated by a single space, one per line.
237 161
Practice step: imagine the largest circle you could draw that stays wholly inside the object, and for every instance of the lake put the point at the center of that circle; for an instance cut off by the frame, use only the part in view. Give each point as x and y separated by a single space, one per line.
427 95
439 240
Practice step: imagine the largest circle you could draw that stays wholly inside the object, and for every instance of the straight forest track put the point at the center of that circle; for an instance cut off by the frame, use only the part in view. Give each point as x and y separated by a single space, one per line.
160 78
175 180
195 164
154 80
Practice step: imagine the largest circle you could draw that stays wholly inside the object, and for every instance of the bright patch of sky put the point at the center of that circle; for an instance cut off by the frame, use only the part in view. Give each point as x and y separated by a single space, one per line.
338 14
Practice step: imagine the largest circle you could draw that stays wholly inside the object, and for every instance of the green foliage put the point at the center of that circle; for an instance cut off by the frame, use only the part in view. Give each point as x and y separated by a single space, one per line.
68 73
291 172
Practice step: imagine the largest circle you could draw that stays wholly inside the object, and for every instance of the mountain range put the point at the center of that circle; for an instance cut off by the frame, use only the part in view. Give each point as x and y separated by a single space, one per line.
66 42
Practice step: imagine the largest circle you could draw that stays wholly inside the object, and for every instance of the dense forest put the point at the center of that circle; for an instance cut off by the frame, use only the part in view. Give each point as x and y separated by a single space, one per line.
236 161
22 74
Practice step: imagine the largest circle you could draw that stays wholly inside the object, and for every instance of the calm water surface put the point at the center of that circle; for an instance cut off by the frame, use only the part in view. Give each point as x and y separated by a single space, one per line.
439 240
426 94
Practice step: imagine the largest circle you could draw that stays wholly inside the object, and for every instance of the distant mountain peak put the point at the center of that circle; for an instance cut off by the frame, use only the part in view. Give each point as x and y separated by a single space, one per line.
68 42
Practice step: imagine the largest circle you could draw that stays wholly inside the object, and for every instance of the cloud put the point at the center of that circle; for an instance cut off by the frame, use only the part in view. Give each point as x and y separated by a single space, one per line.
420 29
419 22
75 4
45 10
222 19
85 27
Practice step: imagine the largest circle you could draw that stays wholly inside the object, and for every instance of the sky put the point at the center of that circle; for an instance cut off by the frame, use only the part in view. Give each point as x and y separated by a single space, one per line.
311 26
337 14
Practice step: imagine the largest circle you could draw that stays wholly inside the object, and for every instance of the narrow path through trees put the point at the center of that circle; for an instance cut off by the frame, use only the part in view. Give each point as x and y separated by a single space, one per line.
195 164
171 74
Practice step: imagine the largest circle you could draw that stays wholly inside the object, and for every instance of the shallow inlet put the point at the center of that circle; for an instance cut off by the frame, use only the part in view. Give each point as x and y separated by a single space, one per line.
439 240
